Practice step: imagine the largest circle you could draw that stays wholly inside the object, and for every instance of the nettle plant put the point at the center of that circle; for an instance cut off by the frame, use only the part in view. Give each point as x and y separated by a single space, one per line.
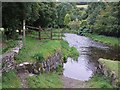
39 57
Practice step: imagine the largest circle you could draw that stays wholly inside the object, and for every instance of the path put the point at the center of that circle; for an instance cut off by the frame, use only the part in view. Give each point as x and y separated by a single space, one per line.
23 76
73 83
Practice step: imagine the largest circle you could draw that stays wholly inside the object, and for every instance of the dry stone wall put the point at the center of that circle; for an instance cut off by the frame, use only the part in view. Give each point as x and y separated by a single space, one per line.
38 67
8 62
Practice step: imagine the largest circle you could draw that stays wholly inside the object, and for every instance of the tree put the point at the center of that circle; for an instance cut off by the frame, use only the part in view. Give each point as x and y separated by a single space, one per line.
47 14
15 13
107 21
62 10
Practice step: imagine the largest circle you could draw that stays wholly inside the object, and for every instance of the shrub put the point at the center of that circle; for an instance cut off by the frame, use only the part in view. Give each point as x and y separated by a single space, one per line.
38 57
74 25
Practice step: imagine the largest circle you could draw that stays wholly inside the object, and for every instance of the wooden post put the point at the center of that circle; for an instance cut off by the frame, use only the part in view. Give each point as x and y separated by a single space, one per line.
39 33
61 34
24 41
51 34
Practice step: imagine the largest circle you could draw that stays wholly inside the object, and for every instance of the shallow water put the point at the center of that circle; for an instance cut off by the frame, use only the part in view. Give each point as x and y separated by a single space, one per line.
90 51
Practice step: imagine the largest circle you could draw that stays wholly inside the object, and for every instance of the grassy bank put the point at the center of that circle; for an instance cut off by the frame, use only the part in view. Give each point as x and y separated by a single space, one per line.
10 80
99 81
111 65
68 52
7 45
35 46
49 80
104 39
44 47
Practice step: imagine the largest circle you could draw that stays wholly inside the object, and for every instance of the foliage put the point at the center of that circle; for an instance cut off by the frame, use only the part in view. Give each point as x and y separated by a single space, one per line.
74 25
62 10
98 81
7 45
47 15
10 80
14 13
67 19
59 69
107 21
68 52
39 57
103 18
49 80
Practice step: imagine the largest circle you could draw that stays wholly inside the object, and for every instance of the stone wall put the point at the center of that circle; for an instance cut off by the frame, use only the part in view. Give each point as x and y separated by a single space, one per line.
38 67
8 62
108 74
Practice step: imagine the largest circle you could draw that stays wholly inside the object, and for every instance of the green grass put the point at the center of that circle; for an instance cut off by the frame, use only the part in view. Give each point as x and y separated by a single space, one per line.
44 47
111 65
7 45
10 80
35 46
49 80
98 81
104 39
69 52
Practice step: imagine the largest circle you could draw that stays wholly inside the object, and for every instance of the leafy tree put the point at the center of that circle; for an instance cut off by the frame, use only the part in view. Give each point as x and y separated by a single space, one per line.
62 10
107 21
15 13
47 14
103 18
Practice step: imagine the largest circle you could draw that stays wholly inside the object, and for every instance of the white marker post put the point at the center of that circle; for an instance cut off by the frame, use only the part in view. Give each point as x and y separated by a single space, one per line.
24 39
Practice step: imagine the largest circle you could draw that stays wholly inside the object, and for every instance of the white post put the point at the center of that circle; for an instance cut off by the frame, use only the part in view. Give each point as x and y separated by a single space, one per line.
24 41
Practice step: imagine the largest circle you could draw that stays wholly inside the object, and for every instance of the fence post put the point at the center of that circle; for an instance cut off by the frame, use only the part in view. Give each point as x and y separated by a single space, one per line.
61 34
24 36
51 34
39 33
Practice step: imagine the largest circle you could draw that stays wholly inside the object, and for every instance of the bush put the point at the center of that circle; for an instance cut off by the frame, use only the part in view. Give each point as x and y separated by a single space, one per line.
39 57
74 25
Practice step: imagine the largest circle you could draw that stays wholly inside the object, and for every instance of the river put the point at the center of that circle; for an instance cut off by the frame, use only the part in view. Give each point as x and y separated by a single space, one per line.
89 52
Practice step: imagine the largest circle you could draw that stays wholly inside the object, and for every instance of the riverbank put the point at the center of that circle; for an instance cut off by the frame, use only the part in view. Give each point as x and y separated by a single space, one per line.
99 81
111 41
